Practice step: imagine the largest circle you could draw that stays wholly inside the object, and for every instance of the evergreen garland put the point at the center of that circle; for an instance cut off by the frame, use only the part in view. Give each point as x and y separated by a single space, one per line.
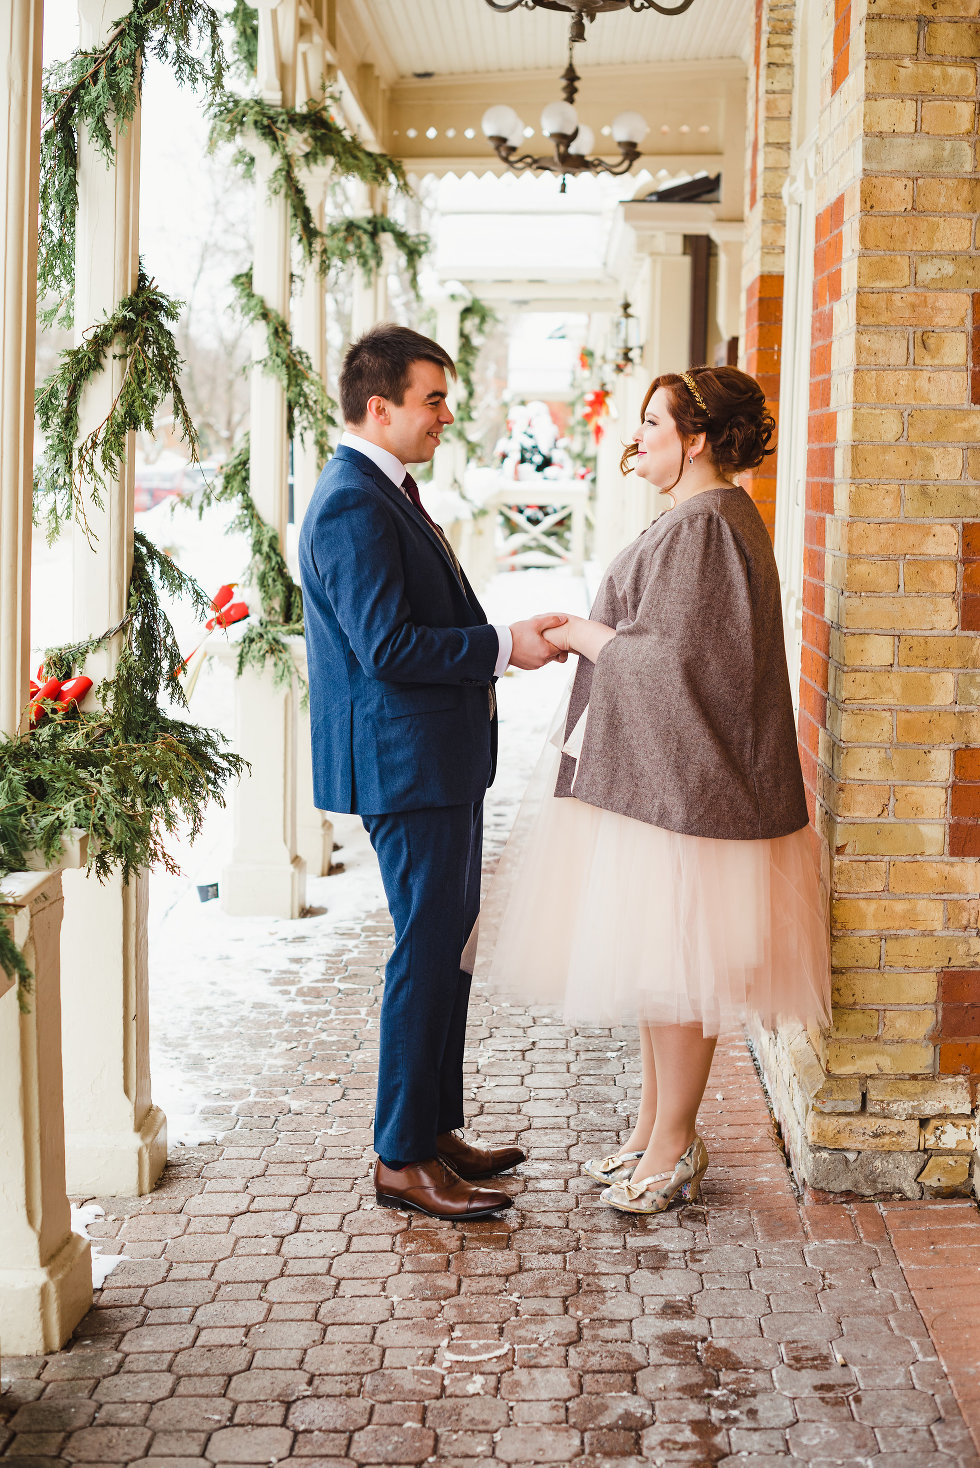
309 409
139 334
98 90
307 137
128 774
244 21
359 241
12 960
475 321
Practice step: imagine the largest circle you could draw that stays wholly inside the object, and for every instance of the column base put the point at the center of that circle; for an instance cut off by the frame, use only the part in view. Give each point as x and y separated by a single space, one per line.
117 1163
249 890
39 1308
314 843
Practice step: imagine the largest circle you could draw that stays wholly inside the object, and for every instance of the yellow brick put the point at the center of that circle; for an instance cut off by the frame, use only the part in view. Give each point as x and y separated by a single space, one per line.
939 652
938 728
943 502
860 876
919 613
850 952
948 118
875 425
907 1024
887 914
950 1134
855 1024
862 650
940 950
837 1096
889 115
897 154
871 575
937 347
867 802
864 726
904 461
944 425
963 915
925 576
927 78
951 271
867 500
920 802
916 689
890 838
968 689
932 309
863 989
902 539
960 9
888 195
948 195
894 764
884 36
961 38
917 385
943 1095
934 876
851 1133
918 232
884 271
871 1057
945 1177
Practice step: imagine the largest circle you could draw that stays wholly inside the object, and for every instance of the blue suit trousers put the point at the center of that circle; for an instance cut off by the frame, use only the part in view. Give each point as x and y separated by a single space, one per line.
430 865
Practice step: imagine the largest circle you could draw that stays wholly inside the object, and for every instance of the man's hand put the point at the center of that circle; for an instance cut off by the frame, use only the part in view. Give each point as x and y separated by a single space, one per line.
531 650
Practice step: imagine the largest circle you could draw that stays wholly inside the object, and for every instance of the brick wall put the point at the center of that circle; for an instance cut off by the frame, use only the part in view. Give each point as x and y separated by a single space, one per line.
890 689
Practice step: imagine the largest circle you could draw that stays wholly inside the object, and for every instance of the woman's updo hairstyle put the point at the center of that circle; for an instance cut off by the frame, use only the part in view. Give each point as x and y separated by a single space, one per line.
732 414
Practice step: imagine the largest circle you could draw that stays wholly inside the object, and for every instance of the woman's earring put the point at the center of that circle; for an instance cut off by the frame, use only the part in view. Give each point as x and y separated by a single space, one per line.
690 459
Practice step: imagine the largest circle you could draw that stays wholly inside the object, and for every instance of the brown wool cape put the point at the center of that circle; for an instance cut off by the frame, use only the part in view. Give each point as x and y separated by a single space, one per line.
690 719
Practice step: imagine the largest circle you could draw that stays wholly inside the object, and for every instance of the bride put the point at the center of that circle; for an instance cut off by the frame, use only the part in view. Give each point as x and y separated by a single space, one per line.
667 873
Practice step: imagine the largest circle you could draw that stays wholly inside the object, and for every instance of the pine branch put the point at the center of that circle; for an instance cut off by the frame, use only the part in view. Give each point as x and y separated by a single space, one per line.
281 597
12 960
244 21
97 92
139 334
359 241
475 321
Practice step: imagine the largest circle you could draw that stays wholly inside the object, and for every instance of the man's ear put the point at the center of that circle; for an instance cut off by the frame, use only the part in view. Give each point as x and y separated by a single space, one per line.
377 409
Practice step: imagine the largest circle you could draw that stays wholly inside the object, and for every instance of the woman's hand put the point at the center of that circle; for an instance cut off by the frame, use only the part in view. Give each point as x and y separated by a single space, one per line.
580 635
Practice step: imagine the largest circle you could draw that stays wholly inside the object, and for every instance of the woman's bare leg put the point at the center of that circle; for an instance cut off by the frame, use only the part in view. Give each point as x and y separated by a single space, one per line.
681 1059
639 1137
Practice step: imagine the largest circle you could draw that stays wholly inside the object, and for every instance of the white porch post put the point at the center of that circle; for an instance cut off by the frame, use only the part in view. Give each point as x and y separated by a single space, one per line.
266 874
116 1139
449 464
45 1269
370 303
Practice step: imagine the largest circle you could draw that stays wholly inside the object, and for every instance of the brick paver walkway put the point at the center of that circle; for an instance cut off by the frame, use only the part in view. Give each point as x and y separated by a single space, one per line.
270 1312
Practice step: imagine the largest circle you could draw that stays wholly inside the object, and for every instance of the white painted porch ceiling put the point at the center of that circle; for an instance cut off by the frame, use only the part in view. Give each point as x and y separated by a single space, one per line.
449 37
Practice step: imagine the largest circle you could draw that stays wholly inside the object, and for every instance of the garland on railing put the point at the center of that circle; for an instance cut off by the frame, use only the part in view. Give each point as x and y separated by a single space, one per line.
98 90
138 333
304 137
12 960
475 321
359 241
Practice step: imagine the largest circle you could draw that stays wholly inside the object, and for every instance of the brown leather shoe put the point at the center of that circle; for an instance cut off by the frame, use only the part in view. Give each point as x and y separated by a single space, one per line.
476 1162
433 1188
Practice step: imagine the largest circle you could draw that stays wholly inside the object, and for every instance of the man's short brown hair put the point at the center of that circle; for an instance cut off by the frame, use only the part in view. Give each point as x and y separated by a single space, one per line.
380 364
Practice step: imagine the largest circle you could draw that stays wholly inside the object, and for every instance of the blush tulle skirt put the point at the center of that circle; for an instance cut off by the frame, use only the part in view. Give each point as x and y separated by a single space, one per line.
612 919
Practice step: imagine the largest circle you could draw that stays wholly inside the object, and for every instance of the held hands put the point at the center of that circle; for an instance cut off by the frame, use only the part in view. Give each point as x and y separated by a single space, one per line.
531 648
581 635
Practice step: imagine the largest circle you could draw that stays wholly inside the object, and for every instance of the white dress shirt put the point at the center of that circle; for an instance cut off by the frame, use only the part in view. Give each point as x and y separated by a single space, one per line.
395 470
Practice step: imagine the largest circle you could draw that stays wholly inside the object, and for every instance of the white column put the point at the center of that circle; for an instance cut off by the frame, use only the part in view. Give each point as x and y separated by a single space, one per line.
370 299
116 1139
266 874
19 151
449 464
314 829
45 1269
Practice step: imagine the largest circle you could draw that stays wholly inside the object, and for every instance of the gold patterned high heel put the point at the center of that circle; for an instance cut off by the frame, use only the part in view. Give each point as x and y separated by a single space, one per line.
614 1169
655 1194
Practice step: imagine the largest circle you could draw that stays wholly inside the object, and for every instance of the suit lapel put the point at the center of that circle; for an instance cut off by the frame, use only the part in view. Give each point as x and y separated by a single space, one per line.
401 500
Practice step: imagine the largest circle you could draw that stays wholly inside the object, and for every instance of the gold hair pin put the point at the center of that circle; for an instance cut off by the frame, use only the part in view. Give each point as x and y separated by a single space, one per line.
694 392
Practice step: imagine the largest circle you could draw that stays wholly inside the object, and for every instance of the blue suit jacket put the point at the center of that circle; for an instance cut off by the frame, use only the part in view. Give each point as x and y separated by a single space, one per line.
401 658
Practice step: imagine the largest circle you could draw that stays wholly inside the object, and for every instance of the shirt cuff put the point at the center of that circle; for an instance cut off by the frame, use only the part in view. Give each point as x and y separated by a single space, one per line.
506 639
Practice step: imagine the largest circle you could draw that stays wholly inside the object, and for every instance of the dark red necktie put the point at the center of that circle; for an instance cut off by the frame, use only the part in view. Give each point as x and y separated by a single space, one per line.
412 490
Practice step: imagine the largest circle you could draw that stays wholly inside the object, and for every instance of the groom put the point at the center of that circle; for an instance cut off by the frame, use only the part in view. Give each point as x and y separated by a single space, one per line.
402 668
